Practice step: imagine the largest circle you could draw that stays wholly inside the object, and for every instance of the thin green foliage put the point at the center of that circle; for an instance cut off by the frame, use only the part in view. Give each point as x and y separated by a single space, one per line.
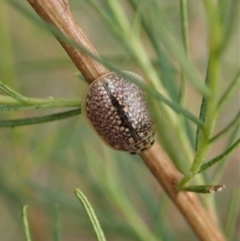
230 90
25 224
91 215
41 119
184 22
235 122
213 69
156 43
219 158
119 197
221 166
166 71
12 93
173 105
174 48
16 101
183 82
202 116
208 110
8 103
137 50
231 20
233 213
57 226
204 189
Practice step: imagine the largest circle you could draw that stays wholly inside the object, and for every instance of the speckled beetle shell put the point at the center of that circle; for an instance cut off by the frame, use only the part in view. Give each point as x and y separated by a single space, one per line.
117 110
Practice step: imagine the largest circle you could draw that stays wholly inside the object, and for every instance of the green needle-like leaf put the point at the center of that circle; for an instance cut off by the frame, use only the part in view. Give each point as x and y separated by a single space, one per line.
8 103
205 189
91 215
25 224
41 119
12 93
220 157
230 90
232 124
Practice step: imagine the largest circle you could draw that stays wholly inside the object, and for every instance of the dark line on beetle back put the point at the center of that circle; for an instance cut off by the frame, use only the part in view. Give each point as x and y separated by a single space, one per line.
122 114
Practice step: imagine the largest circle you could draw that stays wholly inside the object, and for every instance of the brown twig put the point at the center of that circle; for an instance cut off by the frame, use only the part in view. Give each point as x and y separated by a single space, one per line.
167 175
56 12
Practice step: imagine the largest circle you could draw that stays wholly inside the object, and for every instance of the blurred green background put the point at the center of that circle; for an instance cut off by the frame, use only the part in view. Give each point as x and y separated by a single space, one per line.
41 165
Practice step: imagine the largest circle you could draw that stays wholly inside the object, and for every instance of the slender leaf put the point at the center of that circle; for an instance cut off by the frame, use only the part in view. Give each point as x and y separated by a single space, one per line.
177 51
162 62
7 103
41 119
221 166
232 20
25 224
91 215
184 23
220 157
232 124
12 93
230 90
205 189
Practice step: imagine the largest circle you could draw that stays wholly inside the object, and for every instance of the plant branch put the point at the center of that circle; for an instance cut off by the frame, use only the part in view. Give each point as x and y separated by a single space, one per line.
8 103
167 175
57 13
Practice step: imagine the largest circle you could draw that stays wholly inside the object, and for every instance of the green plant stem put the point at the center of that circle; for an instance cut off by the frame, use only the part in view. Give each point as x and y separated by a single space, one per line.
210 119
210 112
34 103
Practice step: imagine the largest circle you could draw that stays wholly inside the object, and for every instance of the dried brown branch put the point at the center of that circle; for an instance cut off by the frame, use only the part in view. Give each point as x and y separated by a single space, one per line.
56 12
